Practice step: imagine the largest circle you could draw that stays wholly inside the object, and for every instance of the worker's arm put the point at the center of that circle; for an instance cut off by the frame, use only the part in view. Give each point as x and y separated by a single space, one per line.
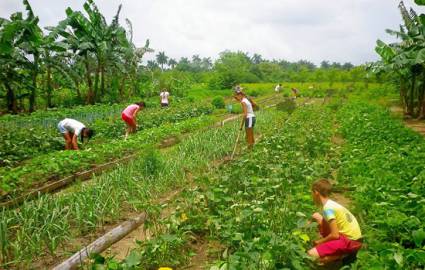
74 141
135 113
244 109
245 113
333 235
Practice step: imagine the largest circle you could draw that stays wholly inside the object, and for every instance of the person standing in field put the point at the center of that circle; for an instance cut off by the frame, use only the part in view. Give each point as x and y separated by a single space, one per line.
295 92
129 116
164 98
248 115
278 87
339 229
71 129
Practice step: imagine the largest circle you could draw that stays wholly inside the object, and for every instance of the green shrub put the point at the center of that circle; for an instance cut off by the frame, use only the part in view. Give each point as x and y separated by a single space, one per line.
218 102
236 108
288 105
253 93
152 163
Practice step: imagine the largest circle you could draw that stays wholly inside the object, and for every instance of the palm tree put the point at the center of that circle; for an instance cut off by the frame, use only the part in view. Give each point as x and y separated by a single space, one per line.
151 64
162 59
206 63
172 63
257 59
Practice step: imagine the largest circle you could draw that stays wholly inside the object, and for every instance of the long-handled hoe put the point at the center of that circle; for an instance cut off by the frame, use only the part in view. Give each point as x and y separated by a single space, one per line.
237 141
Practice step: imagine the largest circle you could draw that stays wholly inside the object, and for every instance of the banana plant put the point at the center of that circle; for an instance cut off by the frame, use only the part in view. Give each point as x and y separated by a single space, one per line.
20 42
406 59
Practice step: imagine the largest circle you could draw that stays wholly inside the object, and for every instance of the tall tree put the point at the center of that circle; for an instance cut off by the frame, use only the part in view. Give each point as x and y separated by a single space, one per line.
162 59
172 63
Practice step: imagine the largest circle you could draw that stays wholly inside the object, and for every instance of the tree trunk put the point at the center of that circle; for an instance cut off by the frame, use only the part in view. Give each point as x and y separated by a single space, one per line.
34 84
90 94
49 87
411 105
96 82
77 89
403 95
10 98
122 84
102 80
421 99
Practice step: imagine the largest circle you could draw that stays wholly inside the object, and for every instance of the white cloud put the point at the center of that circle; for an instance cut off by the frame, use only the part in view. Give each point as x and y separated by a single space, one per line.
343 30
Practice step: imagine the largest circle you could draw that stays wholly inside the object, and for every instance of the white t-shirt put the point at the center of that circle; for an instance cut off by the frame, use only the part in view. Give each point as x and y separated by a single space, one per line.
164 97
72 126
249 110
277 88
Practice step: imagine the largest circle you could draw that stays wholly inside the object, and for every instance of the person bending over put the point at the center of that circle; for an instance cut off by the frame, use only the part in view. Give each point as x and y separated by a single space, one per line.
71 129
129 116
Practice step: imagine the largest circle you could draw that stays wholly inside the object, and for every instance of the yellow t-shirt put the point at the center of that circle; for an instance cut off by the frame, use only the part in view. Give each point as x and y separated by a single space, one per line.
346 222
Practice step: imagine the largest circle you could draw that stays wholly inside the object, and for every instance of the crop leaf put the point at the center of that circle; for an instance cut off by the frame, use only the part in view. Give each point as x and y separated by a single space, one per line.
418 237
134 258
398 257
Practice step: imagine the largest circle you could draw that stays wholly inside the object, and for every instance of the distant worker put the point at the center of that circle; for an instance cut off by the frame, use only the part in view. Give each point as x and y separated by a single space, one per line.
248 115
295 92
71 129
164 97
278 87
129 116
340 231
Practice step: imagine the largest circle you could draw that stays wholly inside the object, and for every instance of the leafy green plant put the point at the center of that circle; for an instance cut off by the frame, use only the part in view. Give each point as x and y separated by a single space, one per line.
288 105
218 102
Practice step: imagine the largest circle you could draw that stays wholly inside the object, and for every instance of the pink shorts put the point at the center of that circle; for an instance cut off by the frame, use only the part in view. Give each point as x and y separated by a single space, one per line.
338 247
129 120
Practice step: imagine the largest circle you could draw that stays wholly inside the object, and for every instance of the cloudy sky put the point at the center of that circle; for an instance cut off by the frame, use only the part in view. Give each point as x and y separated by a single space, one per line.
338 30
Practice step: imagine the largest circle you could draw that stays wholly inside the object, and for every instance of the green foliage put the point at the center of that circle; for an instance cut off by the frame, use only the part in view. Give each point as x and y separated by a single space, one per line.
255 208
46 164
406 61
218 102
288 105
230 69
152 162
383 161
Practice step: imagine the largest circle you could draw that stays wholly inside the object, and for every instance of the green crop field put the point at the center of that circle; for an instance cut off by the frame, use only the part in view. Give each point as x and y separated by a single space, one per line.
216 161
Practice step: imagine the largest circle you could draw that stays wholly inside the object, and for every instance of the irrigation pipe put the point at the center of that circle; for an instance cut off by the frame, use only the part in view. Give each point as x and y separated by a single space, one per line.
102 242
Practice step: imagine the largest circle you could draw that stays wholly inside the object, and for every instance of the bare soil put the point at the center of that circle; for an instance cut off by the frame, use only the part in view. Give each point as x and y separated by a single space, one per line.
414 124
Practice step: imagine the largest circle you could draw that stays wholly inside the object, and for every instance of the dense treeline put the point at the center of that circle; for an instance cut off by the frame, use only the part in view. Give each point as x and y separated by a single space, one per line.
234 67
405 60
86 60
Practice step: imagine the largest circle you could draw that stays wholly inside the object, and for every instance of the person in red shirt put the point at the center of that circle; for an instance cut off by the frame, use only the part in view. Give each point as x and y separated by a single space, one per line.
129 116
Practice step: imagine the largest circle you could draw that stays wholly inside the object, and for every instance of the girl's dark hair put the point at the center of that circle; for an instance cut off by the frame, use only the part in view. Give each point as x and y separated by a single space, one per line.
90 133
141 104
323 186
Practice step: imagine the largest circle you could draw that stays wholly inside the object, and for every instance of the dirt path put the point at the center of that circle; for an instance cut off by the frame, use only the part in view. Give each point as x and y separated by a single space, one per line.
414 124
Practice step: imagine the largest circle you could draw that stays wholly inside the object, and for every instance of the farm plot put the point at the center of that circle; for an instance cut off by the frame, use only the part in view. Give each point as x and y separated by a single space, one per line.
26 137
52 226
251 213
50 166
383 162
